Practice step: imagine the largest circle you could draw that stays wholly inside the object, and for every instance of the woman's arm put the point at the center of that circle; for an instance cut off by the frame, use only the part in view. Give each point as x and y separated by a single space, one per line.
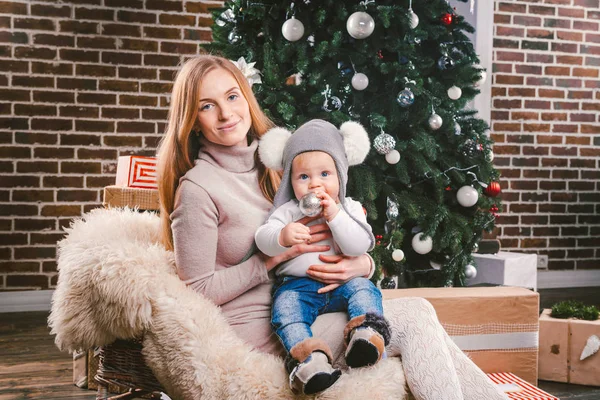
195 233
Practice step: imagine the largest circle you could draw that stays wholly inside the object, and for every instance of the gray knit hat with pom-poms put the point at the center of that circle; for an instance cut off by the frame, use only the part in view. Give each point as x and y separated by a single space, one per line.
348 146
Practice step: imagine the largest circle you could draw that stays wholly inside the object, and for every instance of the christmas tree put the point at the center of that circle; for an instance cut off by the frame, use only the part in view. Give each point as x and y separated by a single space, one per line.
406 72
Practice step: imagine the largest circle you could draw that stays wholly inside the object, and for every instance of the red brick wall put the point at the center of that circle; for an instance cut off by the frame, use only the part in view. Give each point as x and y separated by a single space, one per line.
85 81
81 82
546 124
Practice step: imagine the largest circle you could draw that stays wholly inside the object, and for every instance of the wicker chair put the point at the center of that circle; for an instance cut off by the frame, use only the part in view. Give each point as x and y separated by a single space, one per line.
122 368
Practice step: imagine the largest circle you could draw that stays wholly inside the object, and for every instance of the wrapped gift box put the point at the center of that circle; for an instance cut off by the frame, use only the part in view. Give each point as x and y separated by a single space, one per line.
561 343
117 196
517 389
496 326
136 172
505 268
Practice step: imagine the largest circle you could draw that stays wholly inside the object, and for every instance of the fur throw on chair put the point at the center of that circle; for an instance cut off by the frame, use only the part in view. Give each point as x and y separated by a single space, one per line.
116 281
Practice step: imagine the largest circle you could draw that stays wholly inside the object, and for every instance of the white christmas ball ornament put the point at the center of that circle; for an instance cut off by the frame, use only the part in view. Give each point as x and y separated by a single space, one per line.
360 25
422 246
483 78
467 196
470 271
292 29
392 157
360 81
435 122
454 93
435 265
414 19
398 255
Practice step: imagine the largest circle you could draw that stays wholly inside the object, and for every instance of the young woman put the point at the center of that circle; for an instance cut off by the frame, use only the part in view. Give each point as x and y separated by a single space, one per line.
215 193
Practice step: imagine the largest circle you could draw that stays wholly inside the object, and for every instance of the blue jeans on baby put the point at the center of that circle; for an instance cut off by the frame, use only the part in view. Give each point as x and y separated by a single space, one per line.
296 305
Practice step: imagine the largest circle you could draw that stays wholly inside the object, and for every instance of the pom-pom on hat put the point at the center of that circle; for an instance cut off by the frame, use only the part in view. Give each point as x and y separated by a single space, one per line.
348 146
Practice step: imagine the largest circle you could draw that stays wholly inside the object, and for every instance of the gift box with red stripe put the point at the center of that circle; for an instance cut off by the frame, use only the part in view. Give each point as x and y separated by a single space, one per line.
517 389
137 172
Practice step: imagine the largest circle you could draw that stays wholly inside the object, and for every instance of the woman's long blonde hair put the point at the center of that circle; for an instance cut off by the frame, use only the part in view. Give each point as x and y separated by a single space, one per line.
179 148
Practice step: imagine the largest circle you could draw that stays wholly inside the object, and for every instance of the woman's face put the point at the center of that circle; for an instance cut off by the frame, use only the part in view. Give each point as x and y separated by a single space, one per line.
223 112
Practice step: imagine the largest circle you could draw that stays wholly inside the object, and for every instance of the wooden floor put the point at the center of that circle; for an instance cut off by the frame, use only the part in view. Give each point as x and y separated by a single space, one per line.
31 367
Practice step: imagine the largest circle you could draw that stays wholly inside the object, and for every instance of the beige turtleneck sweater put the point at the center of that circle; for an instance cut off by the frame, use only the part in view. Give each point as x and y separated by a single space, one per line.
218 208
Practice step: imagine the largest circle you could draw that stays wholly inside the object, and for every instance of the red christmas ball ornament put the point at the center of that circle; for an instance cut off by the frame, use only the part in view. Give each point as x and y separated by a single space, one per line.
447 19
448 188
493 189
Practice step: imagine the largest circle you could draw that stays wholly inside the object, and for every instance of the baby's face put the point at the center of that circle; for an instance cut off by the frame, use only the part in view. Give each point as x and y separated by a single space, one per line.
315 171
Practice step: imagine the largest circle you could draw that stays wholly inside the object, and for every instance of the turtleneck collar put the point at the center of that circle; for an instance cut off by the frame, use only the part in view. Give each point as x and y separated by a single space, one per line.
230 158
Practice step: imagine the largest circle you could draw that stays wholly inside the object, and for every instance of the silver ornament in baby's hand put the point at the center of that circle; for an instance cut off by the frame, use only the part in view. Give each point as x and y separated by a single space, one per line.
310 205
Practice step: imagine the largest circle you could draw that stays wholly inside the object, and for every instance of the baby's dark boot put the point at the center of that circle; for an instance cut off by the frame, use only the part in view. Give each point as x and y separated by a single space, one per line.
366 337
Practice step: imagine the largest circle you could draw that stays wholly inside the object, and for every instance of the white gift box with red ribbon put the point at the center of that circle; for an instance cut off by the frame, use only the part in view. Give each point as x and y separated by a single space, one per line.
517 389
137 172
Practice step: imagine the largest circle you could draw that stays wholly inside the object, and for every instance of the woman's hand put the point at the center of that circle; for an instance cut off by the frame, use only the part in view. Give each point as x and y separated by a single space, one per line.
292 252
339 270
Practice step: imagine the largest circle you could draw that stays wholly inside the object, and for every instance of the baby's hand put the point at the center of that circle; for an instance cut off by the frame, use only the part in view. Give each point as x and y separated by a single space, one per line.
330 208
294 233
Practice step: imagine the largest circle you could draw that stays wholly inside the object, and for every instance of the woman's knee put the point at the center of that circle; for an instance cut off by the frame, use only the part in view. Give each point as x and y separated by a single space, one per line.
418 307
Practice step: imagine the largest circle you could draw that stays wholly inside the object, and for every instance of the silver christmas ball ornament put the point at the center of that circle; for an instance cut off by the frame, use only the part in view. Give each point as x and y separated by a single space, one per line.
414 18
470 271
397 255
467 196
393 157
332 103
360 81
292 29
388 283
405 98
310 205
475 248
489 155
392 211
469 148
233 37
422 246
384 143
445 63
435 122
454 92
457 129
360 25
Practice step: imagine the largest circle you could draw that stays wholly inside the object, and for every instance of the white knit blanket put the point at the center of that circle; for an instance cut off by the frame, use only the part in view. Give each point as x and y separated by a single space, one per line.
116 281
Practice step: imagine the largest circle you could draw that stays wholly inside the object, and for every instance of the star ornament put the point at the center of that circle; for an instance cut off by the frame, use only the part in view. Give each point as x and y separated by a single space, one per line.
252 74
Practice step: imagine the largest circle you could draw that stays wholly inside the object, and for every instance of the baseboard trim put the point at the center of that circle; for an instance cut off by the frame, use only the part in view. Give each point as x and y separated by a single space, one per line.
26 300
568 279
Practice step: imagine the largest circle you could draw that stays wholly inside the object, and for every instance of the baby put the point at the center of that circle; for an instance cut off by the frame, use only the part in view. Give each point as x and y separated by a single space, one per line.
315 159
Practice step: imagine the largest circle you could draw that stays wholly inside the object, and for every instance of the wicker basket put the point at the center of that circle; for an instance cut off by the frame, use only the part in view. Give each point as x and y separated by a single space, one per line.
122 365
